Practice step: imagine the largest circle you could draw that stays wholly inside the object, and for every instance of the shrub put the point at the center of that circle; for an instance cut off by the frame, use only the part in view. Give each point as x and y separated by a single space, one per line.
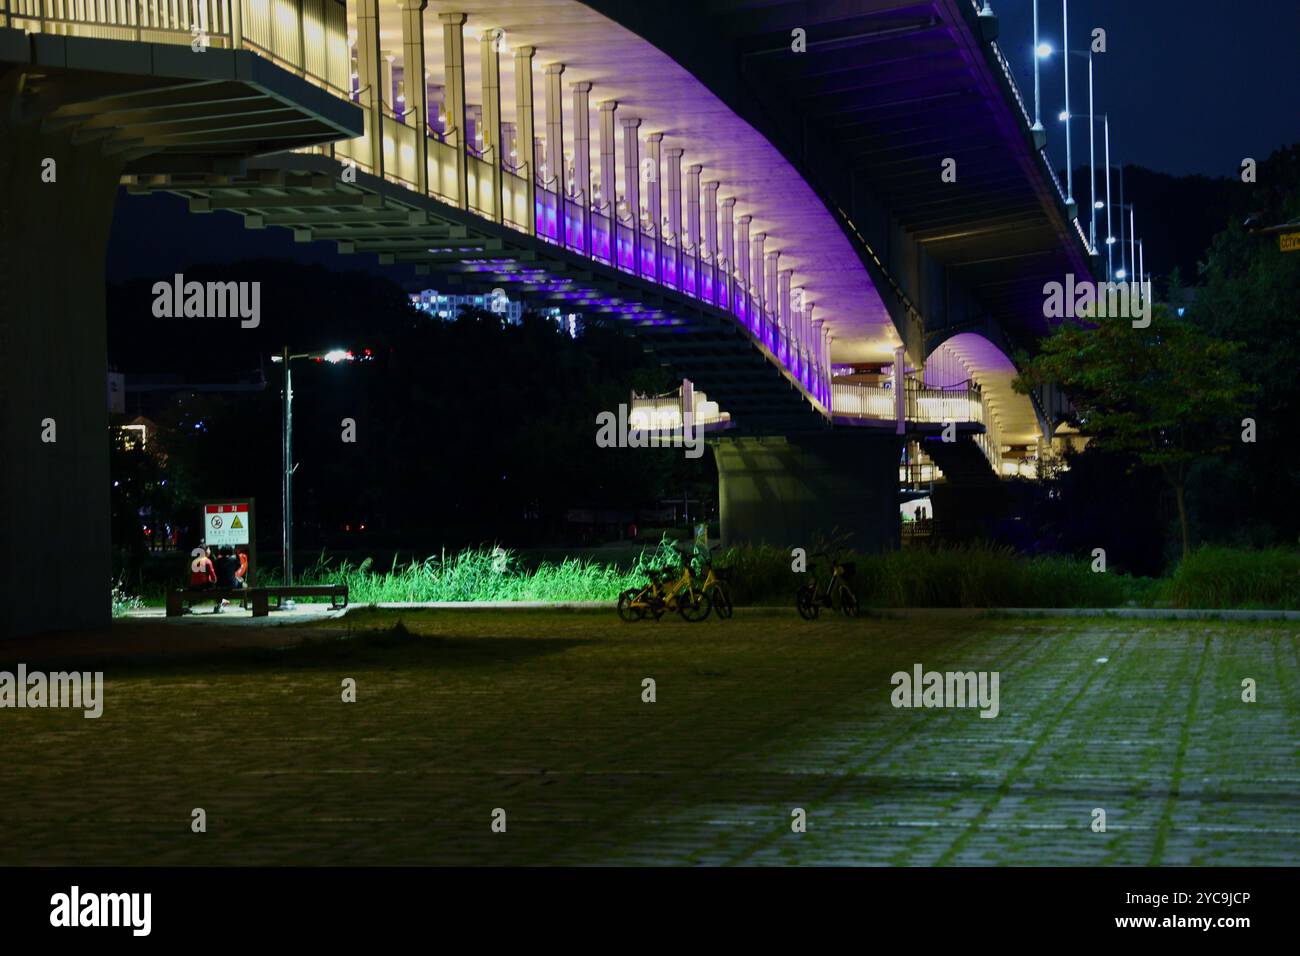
1216 577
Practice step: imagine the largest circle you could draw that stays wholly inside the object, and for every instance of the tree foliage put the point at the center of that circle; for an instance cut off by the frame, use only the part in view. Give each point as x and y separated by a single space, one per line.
1168 394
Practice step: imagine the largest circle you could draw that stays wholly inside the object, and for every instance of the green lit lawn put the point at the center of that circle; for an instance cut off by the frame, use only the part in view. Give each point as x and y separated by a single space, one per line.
540 713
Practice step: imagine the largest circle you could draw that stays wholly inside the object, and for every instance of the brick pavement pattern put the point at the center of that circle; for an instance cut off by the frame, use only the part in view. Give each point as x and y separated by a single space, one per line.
540 713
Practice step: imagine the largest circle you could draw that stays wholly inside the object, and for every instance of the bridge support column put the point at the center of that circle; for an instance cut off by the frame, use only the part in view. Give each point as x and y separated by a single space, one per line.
743 266
693 220
654 199
675 209
55 546
785 278
727 239
369 81
609 172
453 59
632 183
490 62
799 491
525 134
555 146
710 235
582 156
416 90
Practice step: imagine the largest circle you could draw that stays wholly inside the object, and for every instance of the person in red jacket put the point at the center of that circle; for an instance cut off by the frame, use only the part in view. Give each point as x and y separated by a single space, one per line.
202 574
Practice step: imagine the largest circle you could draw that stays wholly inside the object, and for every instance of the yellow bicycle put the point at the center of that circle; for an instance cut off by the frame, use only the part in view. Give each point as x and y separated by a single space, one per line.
715 585
660 595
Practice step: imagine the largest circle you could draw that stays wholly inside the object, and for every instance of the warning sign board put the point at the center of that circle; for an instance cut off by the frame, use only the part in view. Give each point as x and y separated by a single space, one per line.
225 524
1289 242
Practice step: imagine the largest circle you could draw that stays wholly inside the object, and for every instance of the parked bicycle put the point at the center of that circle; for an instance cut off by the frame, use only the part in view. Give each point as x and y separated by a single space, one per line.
836 595
715 585
667 589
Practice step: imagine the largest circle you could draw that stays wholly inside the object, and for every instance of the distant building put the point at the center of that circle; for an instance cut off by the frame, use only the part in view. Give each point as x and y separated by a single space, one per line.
448 307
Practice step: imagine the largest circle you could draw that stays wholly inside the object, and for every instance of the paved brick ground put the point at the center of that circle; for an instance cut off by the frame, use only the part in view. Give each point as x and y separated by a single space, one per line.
540 713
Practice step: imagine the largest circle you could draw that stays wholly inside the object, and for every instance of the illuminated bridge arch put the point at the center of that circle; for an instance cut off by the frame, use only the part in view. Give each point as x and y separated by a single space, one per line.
1013 426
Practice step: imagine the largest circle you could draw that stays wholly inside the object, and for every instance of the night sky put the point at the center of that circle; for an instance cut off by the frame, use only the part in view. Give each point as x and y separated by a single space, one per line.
1192 86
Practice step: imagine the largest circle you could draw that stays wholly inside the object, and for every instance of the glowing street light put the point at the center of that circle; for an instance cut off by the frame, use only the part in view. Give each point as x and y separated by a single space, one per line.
334 357
1041 50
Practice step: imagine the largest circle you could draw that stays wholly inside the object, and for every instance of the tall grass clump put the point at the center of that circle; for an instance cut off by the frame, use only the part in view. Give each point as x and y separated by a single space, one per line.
123 601
1217 577
484 574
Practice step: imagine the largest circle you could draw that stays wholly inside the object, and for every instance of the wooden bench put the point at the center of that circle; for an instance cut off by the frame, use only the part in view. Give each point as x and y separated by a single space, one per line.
259 599
181 598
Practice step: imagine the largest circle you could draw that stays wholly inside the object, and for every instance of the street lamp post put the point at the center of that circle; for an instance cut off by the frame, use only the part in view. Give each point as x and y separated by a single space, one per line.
333 356
286 490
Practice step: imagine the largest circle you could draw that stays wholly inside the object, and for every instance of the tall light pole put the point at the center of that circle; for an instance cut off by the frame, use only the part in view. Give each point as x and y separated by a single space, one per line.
1110 232
1144 288
1041 50
1092 161
333 356
1069 155
1132 238
286 486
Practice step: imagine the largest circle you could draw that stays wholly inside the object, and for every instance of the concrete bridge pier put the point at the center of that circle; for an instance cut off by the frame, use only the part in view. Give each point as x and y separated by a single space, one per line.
806 489
76 114
55 548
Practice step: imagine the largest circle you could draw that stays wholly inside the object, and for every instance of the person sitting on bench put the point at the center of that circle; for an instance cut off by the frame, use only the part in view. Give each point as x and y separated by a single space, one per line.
203 576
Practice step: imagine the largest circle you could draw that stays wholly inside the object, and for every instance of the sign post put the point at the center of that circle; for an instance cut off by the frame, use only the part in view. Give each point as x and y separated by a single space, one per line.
230 522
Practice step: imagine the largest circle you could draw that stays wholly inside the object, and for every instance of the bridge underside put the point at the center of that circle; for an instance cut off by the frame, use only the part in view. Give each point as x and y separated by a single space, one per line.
77 114
468 253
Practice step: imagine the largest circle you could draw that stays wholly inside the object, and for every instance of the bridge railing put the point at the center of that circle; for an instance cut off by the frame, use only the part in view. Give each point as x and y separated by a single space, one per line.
306 37
664 412
921 404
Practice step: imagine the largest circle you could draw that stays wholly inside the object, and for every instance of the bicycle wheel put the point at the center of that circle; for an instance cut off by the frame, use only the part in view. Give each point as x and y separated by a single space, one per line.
695 606
805 599
721 603
628 610
848 602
